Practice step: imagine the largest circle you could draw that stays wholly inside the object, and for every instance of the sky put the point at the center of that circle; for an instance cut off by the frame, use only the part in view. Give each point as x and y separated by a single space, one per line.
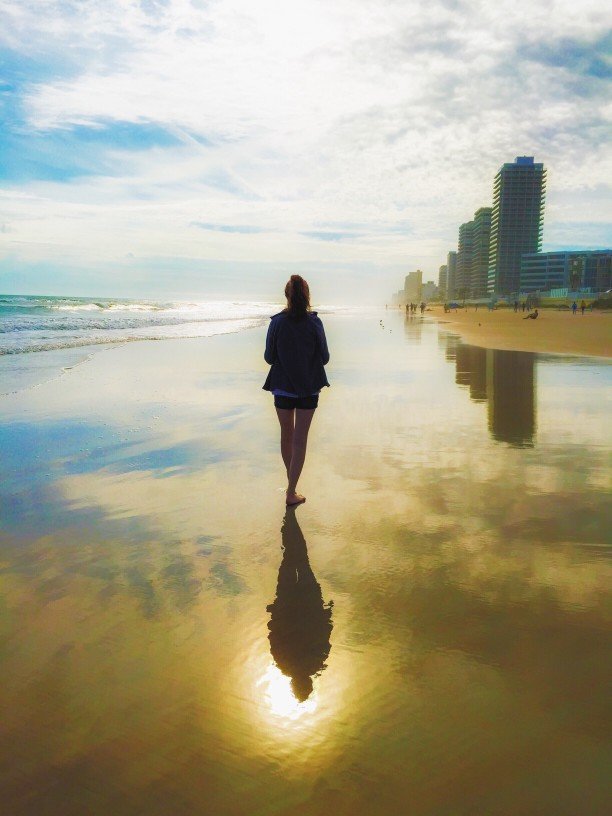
209 148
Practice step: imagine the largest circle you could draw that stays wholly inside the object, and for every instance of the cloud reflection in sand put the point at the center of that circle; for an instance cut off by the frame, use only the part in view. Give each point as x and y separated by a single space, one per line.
468 575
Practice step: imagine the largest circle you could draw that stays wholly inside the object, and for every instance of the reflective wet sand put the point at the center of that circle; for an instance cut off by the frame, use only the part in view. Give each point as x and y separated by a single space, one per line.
429 634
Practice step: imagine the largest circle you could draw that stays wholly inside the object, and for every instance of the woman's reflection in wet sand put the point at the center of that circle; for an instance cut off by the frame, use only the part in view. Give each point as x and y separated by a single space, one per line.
300 624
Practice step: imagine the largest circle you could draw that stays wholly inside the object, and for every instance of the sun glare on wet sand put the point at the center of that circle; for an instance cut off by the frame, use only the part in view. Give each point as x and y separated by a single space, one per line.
280 700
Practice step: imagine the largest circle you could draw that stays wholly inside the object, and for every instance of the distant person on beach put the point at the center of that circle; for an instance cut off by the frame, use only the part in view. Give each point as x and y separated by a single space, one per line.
574 307
516 305
524 305
532 315
296 349
582 307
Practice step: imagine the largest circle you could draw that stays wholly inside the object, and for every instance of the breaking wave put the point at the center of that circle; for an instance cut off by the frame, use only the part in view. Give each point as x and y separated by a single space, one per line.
31 324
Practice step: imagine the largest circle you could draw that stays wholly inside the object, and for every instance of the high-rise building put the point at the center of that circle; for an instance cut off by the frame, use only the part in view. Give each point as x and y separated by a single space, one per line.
442 276
429 290
481 235
573 270
464 259
413 286
473 255
516 222
451 275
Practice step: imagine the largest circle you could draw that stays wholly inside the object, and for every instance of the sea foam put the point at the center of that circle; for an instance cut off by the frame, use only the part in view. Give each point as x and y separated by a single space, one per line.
31 324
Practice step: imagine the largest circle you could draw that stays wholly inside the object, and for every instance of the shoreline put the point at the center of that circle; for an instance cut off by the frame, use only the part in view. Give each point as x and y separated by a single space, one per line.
554 332
56 362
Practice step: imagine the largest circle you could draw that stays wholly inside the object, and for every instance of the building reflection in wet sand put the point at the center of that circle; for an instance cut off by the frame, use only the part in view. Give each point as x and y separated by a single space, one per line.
300 624
450 343
511 396
471 370
413 327
506 381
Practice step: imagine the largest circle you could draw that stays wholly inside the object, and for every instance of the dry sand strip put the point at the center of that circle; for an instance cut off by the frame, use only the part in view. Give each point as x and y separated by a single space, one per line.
556 332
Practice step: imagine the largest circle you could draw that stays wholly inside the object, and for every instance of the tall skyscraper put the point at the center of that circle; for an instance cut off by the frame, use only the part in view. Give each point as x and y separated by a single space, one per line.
429 291
481 237
464 260
442 276
451 274
413 287
516 223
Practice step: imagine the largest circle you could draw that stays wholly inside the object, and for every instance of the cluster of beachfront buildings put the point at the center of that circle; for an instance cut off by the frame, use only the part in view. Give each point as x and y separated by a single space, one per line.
499 251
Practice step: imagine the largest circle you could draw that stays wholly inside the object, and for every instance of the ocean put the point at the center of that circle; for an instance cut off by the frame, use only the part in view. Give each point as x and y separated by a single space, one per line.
39 323
43 336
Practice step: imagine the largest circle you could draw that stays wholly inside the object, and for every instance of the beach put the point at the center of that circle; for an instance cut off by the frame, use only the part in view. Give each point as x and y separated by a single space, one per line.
427 632
554 331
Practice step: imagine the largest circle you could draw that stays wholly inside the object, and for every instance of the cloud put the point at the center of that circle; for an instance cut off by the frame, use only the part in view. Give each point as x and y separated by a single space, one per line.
129 123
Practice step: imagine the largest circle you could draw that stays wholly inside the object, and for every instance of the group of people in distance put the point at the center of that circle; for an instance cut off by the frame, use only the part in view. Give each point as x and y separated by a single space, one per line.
411 308
575 307
525 306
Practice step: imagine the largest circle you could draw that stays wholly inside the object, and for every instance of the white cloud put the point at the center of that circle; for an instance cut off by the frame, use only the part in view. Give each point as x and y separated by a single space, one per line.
381 114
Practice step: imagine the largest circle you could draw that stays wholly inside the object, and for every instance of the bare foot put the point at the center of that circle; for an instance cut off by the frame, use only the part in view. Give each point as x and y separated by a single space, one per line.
294 498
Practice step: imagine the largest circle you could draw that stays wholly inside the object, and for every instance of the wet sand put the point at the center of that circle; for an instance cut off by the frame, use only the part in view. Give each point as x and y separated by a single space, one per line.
555 332
429 632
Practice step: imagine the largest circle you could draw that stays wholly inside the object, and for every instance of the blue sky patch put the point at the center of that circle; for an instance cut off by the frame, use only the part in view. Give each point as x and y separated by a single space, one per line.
244 229
331 236
577 56
62 154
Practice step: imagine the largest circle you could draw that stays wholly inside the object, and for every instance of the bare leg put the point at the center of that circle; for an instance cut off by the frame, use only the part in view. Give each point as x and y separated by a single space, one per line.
286 417
303 418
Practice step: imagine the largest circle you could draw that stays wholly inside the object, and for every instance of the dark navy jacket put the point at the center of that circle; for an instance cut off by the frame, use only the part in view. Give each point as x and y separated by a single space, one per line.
297 352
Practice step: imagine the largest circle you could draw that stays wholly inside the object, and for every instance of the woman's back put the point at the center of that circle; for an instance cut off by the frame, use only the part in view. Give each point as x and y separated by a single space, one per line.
297 351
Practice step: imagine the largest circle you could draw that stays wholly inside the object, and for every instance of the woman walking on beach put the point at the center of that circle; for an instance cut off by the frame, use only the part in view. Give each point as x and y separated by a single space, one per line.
296 350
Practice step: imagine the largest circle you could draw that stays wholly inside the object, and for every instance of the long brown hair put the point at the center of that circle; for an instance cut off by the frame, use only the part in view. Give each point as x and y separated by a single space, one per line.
298 297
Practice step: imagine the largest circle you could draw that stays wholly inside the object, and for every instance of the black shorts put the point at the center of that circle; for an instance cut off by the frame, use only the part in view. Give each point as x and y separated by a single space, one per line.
289 403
